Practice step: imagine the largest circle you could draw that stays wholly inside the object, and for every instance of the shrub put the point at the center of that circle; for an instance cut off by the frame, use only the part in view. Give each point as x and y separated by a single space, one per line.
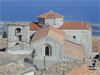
4 34
99 59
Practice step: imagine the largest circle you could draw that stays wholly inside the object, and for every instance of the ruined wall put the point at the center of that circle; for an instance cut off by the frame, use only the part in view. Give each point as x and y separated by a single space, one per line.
13 38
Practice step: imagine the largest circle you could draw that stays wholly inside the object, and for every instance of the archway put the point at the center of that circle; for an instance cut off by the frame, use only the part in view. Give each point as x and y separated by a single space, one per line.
17 43
17 30
48 50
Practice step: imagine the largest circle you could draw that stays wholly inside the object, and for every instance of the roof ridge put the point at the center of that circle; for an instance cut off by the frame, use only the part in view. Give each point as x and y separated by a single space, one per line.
50 15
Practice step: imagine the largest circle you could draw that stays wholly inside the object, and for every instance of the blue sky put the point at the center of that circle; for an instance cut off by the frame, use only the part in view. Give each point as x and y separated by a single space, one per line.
28 10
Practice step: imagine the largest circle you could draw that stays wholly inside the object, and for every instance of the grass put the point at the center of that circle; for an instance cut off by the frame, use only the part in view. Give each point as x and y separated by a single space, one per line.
99 59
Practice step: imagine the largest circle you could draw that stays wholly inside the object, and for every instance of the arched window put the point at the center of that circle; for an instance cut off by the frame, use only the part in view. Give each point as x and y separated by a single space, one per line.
17 30
48 50
74 37
17 43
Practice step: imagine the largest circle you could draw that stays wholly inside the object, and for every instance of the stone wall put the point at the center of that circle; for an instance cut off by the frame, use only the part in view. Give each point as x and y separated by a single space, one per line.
3 43
57 52
53 22
13 38
6 58
82 37
20 49
96 44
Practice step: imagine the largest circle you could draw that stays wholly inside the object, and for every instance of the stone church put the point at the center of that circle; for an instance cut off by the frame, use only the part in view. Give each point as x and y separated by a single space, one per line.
50 39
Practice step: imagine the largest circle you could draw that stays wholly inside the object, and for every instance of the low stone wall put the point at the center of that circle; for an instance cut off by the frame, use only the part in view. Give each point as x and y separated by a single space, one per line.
20 49
96 44
3 43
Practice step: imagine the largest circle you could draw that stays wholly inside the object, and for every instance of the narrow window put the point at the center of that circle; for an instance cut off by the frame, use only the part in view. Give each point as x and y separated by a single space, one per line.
47 50
74 37
20 38
17 30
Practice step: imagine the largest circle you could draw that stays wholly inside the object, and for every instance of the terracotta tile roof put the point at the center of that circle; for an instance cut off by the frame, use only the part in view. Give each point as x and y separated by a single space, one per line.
96 43
84 70
75 25
50 14
73 50
34 26
50 31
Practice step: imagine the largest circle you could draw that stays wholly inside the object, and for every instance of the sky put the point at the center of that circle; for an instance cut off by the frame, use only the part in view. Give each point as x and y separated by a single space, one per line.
28 10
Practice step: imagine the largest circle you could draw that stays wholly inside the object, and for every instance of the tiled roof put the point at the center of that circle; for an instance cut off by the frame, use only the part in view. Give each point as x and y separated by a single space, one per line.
96 43
73 50
75 25
34 26
84 70
66 25
50 31
50 14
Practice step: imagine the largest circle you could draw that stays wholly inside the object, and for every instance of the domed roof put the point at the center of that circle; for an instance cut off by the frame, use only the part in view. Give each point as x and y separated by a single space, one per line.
50 14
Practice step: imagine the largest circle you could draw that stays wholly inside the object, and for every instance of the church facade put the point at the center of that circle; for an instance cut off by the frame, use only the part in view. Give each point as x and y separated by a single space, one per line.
51 39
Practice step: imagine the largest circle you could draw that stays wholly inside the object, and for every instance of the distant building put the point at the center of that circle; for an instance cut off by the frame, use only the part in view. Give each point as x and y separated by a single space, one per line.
76 32
51 39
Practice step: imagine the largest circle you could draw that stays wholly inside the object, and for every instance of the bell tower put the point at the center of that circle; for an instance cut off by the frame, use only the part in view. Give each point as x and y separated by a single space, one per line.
18 32
50 18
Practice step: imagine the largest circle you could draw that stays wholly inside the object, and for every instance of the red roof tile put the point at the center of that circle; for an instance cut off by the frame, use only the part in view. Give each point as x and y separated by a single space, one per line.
84 70
73 50
50 31
34 26
50 15
75 25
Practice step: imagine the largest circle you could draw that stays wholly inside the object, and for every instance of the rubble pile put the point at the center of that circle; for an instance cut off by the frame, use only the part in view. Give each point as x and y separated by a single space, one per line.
10 69
60 68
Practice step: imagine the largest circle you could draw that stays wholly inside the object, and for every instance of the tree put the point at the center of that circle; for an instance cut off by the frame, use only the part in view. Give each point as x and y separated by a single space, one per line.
4 34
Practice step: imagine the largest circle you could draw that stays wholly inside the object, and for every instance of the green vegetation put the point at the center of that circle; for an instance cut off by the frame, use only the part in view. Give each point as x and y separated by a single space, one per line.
4 34
99 59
